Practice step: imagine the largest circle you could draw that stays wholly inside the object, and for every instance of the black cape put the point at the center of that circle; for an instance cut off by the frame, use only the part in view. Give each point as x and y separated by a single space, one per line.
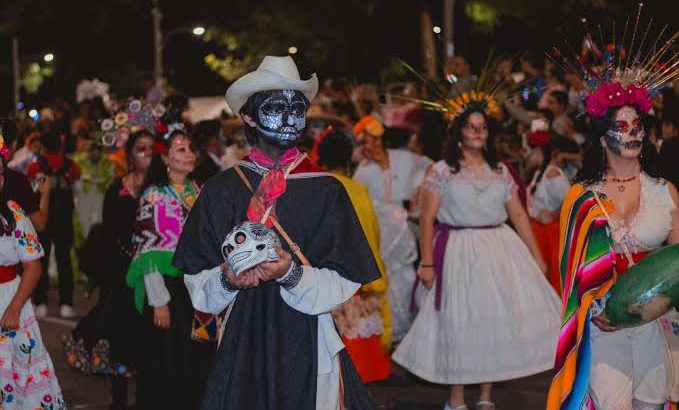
268 355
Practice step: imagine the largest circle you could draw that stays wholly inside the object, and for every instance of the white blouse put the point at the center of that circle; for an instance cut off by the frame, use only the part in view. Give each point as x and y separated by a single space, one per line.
472 197
21 244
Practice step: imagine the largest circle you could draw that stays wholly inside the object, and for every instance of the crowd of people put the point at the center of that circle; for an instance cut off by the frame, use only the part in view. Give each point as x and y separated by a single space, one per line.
430 237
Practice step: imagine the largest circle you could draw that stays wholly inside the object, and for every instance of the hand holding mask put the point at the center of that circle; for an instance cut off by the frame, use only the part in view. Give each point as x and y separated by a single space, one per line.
248 245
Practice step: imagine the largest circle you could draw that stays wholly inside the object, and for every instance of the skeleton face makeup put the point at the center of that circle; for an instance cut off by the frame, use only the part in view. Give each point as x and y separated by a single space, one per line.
248 245
626 133
281 117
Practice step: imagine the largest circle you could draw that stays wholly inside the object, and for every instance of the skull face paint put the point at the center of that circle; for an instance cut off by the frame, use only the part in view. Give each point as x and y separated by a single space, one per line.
626 132
281 117
248 245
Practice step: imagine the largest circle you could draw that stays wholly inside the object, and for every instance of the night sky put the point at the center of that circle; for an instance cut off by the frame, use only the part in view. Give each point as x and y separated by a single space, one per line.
113 40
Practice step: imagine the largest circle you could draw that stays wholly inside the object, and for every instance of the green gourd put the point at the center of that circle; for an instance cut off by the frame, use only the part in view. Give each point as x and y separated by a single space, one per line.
647 290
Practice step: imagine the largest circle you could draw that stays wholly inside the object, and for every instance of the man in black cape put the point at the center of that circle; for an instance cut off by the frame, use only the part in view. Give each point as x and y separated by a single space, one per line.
280 348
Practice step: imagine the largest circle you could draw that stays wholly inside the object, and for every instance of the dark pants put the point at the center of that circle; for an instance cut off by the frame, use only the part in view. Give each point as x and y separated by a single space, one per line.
63 242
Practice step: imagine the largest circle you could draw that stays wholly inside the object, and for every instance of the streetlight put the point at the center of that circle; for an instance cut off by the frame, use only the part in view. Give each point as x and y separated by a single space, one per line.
292 50
16 70
160 39
437 29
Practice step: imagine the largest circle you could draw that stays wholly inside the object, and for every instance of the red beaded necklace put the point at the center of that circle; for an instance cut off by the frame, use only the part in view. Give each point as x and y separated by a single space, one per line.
622 181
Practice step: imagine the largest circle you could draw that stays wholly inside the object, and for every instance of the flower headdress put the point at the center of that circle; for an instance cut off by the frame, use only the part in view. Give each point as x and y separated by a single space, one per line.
621 73
137 115
487 96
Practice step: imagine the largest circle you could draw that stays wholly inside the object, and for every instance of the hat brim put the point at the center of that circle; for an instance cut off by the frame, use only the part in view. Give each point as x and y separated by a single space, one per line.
265 80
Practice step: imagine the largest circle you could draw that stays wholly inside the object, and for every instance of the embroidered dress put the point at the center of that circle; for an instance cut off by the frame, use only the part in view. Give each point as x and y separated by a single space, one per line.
608 370
173 367
389 190
105 342
491 314
27 378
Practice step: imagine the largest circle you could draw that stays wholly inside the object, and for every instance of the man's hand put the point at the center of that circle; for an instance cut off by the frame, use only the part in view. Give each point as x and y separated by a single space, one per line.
601 321
273 270
246 280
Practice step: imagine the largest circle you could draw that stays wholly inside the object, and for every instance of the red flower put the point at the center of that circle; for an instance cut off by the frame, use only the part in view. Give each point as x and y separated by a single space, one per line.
159 148
596 105
47 398
161 128
45 372
15 377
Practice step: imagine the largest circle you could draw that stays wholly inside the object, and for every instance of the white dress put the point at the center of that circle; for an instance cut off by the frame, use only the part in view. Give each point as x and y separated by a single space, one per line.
499 317
27 379
388 190
630 363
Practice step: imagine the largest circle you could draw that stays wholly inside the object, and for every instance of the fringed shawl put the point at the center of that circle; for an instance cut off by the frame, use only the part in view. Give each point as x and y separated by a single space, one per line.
587 273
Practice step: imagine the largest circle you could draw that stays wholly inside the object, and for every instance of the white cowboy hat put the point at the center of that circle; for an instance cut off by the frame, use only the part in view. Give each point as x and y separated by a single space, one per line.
274 73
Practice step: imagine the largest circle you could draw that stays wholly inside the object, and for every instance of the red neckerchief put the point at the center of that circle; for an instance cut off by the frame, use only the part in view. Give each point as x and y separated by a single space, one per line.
272 185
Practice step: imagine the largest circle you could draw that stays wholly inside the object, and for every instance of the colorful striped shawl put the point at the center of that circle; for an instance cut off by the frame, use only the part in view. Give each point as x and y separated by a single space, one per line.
587 272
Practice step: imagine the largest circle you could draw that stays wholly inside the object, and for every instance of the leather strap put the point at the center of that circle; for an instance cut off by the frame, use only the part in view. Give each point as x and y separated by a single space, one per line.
293 246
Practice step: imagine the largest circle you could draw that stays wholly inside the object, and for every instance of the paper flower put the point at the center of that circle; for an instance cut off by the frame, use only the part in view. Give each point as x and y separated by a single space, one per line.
158 110
108 139
121 118
107 124
134 106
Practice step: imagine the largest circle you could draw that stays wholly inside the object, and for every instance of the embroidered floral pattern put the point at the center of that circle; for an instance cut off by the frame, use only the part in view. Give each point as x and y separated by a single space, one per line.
6 395
95 361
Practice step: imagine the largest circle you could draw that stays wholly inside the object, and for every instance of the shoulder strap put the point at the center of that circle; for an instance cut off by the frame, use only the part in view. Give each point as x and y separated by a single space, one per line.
293 246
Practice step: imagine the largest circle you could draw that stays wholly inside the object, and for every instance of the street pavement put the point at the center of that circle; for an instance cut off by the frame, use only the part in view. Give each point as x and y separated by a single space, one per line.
401 392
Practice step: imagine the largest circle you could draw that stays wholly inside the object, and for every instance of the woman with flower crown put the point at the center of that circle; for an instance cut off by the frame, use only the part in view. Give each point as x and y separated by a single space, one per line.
490 314
618 211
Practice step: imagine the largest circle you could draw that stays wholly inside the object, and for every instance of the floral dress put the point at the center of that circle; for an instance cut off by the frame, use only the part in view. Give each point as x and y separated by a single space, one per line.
27 378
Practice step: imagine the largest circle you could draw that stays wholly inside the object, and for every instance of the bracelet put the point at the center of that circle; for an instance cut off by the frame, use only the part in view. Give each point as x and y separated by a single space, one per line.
293 276
224 281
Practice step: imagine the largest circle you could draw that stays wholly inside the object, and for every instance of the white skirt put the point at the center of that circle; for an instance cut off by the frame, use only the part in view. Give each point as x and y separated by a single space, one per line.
499 316
27 379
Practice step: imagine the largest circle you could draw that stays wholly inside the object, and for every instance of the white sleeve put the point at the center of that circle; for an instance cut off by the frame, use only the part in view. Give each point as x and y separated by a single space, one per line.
318 291
156 292
207 292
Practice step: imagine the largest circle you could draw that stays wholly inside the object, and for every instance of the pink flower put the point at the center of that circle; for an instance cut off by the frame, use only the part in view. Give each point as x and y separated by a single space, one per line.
613 93
597 106
47 398
638 96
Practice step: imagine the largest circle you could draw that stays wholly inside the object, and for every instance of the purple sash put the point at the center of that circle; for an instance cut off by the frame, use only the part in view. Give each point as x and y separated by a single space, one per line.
441 235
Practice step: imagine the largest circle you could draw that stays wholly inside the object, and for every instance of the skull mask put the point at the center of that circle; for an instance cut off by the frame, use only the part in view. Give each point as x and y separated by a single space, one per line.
281 117
248 245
